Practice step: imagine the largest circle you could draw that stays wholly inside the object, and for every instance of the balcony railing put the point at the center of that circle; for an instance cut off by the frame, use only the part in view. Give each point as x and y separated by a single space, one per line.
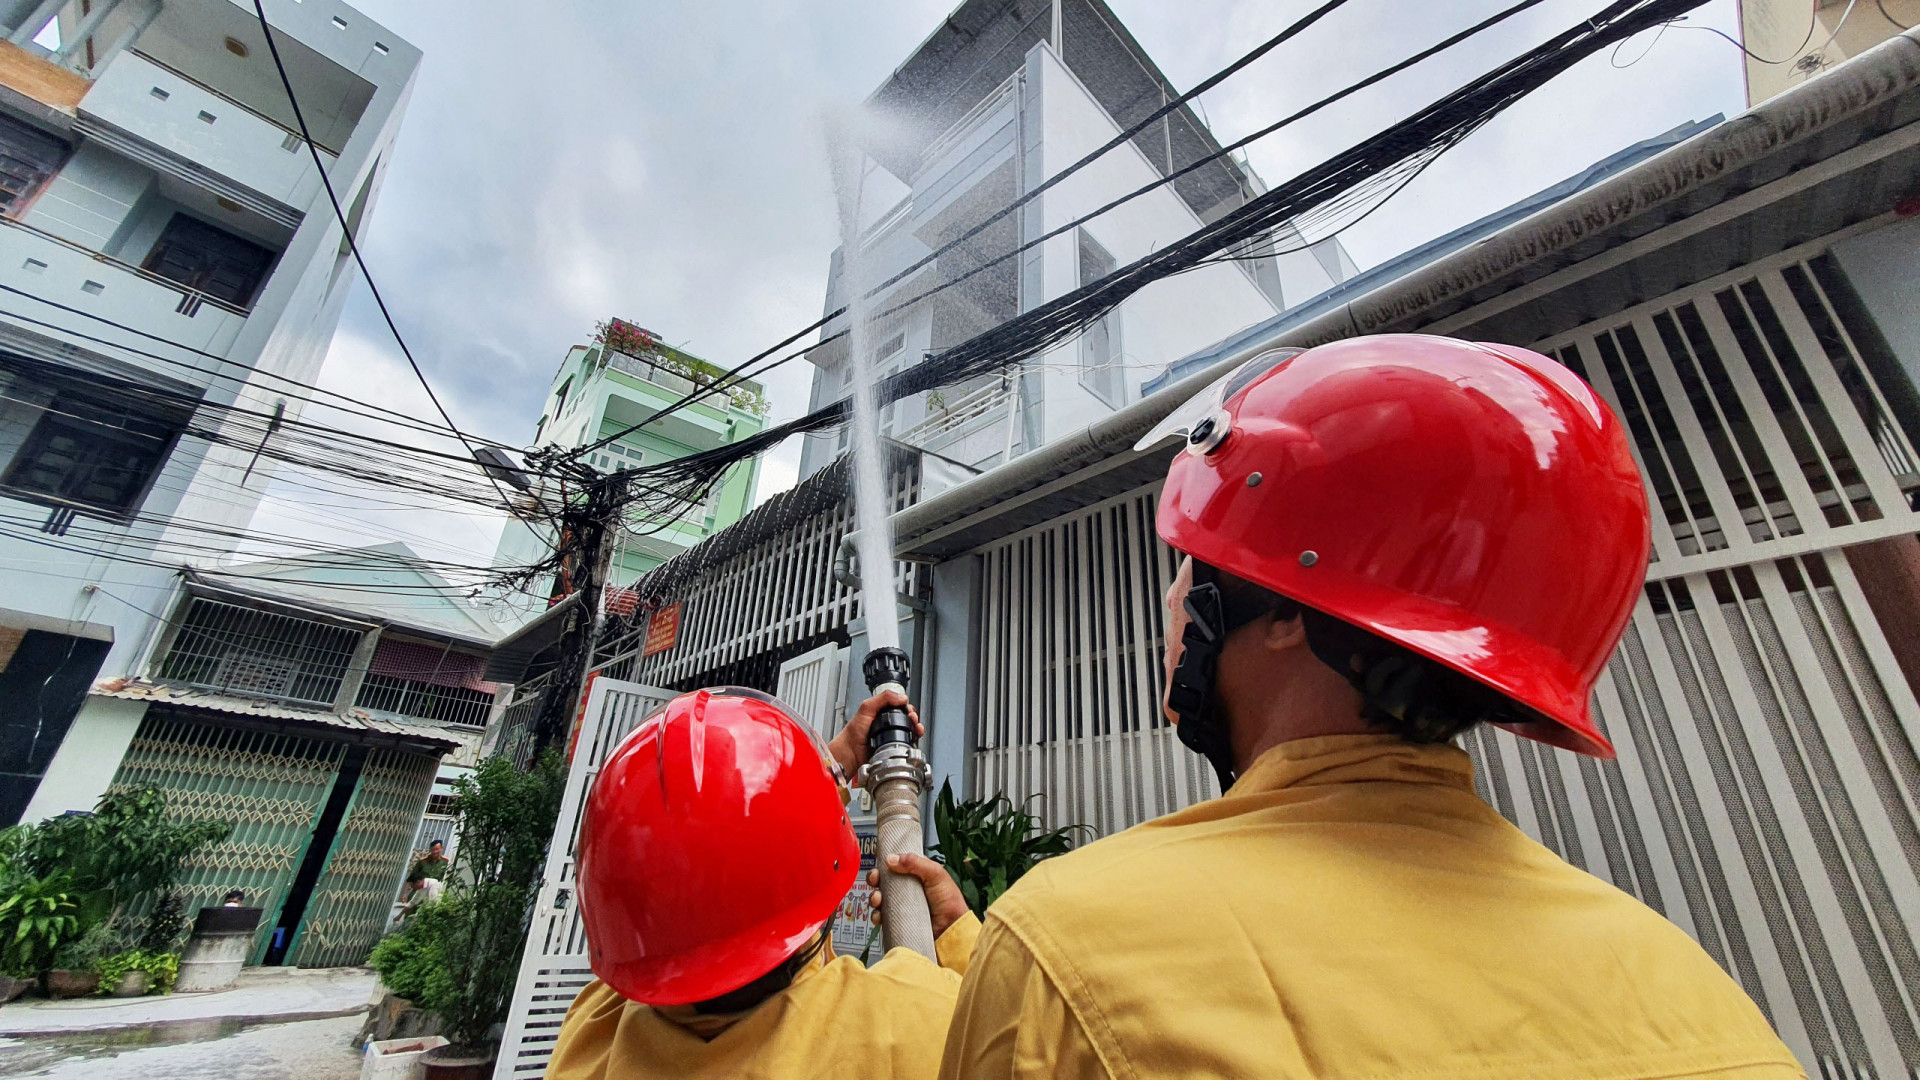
956 416
251 652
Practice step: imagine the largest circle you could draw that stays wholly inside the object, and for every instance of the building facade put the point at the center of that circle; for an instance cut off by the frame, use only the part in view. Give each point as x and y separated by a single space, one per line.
167 254
998 99
602 389
319 705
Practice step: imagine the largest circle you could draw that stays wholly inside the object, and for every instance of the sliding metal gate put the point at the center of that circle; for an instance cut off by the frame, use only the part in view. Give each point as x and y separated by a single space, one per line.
555 967
1765 794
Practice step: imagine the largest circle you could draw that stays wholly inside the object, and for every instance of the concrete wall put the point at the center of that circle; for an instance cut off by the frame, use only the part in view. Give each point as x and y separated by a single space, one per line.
1161 323
1793 43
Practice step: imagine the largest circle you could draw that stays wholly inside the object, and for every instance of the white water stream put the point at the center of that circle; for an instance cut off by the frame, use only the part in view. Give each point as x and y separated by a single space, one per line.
875 539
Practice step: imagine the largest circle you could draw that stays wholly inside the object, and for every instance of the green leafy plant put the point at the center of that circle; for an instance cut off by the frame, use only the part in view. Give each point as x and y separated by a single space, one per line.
127 848
988 844
621 336
166 924
505 817
35 920
412 962
94 944
161 969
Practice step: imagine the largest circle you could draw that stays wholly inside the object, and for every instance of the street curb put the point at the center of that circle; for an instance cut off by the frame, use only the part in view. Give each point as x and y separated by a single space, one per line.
266 1018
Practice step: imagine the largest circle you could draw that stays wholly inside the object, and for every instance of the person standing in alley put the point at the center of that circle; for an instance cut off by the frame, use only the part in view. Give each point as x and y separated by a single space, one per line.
1386 541
714 851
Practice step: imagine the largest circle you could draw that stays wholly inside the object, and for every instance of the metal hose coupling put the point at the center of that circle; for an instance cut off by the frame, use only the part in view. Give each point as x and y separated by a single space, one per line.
896 773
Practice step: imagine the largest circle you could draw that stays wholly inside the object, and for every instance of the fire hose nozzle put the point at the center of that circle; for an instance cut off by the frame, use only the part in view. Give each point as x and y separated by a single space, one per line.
883 668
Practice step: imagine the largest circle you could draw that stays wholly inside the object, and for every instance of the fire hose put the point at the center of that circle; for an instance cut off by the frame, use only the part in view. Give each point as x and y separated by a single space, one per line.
896 774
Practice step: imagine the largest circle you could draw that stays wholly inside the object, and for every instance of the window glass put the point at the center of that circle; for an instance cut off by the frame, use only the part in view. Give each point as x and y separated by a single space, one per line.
210 260
28 159
1100 370
81 440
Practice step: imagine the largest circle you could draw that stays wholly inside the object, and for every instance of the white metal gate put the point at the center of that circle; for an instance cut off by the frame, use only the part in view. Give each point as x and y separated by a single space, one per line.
1767 793
814 684
554 967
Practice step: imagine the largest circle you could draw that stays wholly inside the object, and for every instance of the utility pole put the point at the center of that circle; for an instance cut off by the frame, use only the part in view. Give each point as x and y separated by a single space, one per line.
591 527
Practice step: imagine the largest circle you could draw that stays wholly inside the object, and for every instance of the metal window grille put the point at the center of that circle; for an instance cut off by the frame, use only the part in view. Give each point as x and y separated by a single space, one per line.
424 700
258 653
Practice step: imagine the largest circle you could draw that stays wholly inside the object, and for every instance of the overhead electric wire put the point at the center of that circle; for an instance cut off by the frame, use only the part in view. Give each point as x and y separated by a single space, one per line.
353 246
365 408
1208 83
1430 131
738 374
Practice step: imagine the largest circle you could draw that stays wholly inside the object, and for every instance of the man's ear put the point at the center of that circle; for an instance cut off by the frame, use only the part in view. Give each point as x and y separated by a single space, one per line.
1284 634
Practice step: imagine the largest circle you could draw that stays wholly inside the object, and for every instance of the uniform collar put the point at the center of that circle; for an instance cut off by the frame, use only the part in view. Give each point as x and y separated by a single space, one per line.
1355 759
709 1025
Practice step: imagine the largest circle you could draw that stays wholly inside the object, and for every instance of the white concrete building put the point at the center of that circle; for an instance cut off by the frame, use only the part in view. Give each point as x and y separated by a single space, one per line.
166 246
999 98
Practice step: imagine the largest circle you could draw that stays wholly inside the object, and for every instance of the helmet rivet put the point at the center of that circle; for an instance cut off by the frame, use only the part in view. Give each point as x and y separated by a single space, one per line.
1308 558
1253 479
836 864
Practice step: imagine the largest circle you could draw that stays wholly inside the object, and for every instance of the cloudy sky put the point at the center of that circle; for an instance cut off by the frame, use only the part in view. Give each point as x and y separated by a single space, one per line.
664 162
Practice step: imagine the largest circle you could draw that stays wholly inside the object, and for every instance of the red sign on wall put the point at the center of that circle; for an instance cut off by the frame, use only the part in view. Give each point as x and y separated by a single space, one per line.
663 630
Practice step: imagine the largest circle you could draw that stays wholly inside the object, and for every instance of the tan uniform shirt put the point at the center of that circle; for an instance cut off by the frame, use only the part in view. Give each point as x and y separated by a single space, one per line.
837 1020
1351 909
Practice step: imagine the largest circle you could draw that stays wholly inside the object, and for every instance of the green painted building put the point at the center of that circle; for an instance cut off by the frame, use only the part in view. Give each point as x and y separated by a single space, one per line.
627 377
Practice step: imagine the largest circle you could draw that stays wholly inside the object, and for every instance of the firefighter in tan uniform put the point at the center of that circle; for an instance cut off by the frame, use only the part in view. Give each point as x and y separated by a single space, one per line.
1387 541
714 850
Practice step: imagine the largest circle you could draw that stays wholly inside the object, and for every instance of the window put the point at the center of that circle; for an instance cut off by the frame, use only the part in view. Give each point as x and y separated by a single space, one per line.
209 260
560 398
1100 370
81 440
28 159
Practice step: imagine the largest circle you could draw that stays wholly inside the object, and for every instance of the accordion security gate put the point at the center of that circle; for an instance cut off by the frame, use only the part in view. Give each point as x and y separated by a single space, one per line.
1765 794
554 967
273 786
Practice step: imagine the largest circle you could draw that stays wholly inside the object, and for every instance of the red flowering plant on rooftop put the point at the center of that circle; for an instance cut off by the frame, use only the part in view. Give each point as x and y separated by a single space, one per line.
621 336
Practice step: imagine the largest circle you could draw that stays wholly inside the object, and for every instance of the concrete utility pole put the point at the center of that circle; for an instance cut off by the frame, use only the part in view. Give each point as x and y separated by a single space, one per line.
594 526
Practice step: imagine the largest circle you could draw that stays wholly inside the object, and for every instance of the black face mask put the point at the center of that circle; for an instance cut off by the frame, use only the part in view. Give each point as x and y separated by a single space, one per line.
1211 617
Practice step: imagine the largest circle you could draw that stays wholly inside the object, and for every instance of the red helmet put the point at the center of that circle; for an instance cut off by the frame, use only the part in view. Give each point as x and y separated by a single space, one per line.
1477 504
714 845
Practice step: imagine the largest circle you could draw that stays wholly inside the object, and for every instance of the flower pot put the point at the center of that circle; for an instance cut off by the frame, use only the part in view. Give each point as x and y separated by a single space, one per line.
11 987
398 1059
457 1063
72 984
132 984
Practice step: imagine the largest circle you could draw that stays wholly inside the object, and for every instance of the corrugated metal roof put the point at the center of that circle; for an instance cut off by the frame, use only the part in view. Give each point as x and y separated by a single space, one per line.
353 720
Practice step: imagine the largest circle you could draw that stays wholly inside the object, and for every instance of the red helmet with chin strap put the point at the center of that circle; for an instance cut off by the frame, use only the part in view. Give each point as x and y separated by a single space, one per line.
1476 504
714 845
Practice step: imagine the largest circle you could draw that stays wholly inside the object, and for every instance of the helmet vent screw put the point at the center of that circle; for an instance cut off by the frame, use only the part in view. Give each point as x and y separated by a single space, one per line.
1253 479
1308 558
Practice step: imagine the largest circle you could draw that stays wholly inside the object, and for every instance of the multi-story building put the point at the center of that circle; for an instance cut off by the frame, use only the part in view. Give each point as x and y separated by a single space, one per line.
166 252
624 378
320 705
1791 41
999 98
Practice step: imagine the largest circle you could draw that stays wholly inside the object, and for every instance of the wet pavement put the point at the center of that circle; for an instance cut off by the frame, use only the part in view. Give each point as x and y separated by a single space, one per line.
226 1048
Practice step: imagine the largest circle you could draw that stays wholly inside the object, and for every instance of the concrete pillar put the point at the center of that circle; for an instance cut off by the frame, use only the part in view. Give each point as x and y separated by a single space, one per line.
356 671
84 766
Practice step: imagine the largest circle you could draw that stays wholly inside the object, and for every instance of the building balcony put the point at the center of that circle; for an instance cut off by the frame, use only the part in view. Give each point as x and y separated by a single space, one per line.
195 124
46 267
964 423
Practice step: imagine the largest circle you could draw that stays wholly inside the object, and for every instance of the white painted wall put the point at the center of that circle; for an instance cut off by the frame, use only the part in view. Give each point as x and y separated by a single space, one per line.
75 781
1162 322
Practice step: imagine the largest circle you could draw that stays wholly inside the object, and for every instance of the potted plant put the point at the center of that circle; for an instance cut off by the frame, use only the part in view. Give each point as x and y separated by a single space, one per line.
505 817
68 882
37 918
137 972
988 844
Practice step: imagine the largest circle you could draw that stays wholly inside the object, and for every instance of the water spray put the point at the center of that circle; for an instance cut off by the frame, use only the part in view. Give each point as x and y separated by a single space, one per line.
895 771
